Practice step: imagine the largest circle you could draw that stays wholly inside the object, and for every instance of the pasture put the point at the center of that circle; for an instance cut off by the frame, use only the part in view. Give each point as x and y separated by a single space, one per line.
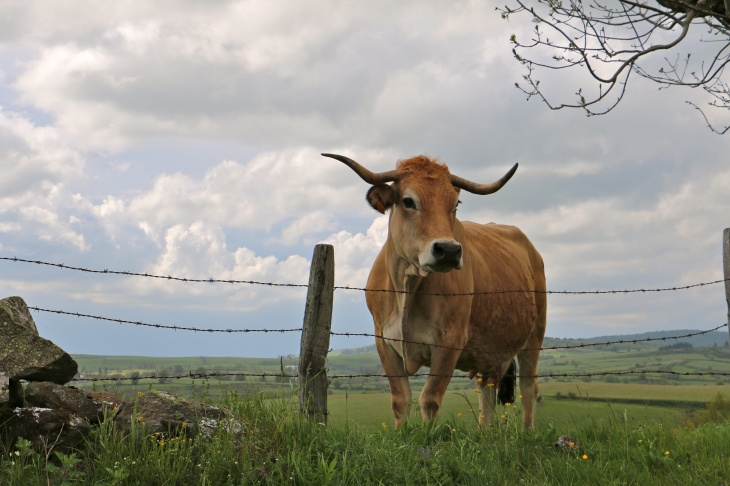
280 447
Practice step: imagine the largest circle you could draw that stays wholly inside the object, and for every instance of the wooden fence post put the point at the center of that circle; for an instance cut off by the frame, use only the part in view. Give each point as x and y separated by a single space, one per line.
726 267
316 334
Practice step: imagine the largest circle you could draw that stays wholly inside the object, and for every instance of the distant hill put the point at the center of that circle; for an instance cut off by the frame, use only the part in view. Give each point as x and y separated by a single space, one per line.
714 338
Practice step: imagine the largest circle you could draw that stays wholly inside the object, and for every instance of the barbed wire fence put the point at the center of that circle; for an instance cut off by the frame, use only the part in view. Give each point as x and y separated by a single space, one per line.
316 331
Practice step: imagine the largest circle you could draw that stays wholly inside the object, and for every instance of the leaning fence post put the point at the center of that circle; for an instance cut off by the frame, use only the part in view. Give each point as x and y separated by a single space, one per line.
316 334
726 267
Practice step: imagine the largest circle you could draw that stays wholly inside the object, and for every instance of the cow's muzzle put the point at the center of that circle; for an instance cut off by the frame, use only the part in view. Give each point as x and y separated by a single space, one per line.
442 256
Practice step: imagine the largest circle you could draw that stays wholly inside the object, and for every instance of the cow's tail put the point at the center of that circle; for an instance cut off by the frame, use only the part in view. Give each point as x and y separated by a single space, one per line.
507 385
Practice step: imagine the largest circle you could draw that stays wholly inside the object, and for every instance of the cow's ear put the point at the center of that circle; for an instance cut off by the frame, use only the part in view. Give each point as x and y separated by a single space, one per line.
381 197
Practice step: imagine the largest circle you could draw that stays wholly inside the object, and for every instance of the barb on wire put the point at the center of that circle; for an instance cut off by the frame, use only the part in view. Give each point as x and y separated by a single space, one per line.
160 326
546 348
363 289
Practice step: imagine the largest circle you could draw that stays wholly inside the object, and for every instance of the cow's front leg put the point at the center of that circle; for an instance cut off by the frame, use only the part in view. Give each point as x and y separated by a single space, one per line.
443 363
400 388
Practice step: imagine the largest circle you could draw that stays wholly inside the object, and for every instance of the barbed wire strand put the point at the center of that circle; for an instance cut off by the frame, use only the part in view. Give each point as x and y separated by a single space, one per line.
363 289
206 376
160 326
546 348
352 334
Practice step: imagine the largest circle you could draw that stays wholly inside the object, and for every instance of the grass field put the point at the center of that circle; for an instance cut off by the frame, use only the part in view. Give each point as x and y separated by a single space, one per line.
279 446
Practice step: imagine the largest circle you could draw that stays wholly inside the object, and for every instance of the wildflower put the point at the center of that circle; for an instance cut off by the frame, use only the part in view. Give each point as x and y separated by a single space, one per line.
471 410
666 453
458 414
640 441
514 406
139 394
503 416
490 384
571 444
476 390
507 404
479 380
184 424
262 472
585 457
482 416
385 426
520 397
17 453
453 430
140 418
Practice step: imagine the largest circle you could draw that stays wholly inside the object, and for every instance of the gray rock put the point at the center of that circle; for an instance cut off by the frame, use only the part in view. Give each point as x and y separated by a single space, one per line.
24 355
45 428
164 413
58 397
11 392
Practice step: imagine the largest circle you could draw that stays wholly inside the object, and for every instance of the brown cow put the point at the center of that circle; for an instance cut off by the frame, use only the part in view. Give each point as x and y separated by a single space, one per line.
429 251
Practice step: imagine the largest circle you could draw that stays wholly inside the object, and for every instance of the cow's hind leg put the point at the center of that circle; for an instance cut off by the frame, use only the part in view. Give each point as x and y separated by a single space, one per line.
400 388
528 383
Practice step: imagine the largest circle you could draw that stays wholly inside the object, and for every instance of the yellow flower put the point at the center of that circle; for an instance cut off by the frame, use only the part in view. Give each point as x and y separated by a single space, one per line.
503 416
482 416
184 424
140 418
139 394
571 444
385 426
514 406
640 441
458 414
490 384
585 457
476 390
520 397
507 404
453 430
471 410
479 380
666 453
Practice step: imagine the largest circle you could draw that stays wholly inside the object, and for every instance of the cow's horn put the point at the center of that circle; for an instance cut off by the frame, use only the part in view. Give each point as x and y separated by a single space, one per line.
483 189
366 175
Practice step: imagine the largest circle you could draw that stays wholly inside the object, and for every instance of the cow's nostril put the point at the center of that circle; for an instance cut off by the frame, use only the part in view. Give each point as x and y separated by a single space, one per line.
445 250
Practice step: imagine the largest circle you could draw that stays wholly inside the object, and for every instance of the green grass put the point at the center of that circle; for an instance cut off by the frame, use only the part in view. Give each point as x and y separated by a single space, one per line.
280 447
370 411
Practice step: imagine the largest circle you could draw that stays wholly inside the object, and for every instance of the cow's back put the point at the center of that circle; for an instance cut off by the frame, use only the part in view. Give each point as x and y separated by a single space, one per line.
503 318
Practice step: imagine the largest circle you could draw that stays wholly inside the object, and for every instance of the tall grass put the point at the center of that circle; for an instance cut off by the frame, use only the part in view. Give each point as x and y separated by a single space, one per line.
279 446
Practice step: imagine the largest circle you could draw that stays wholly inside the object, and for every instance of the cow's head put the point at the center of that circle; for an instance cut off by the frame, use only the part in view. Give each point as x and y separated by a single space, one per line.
422 197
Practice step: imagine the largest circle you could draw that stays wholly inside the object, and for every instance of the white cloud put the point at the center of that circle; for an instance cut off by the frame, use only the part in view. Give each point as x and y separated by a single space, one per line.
308 224
355 254
49 228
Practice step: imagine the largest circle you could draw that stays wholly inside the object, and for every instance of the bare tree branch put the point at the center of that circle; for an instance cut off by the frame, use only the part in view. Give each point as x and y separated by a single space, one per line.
610 39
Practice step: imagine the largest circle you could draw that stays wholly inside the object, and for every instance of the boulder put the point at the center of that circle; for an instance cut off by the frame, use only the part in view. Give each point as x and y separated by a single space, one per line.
165 413
45 428
77 402
24 355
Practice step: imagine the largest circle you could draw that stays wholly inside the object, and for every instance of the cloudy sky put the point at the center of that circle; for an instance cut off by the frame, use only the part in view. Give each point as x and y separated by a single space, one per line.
183 138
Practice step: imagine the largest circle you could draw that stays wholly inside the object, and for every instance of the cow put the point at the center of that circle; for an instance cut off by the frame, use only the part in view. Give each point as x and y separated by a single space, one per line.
436 291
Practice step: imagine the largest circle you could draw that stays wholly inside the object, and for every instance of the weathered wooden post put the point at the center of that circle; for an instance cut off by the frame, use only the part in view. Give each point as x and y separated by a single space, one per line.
316 334
726 267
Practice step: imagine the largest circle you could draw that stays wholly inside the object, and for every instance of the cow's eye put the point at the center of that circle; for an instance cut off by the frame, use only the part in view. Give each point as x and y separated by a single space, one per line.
408 202
457 205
